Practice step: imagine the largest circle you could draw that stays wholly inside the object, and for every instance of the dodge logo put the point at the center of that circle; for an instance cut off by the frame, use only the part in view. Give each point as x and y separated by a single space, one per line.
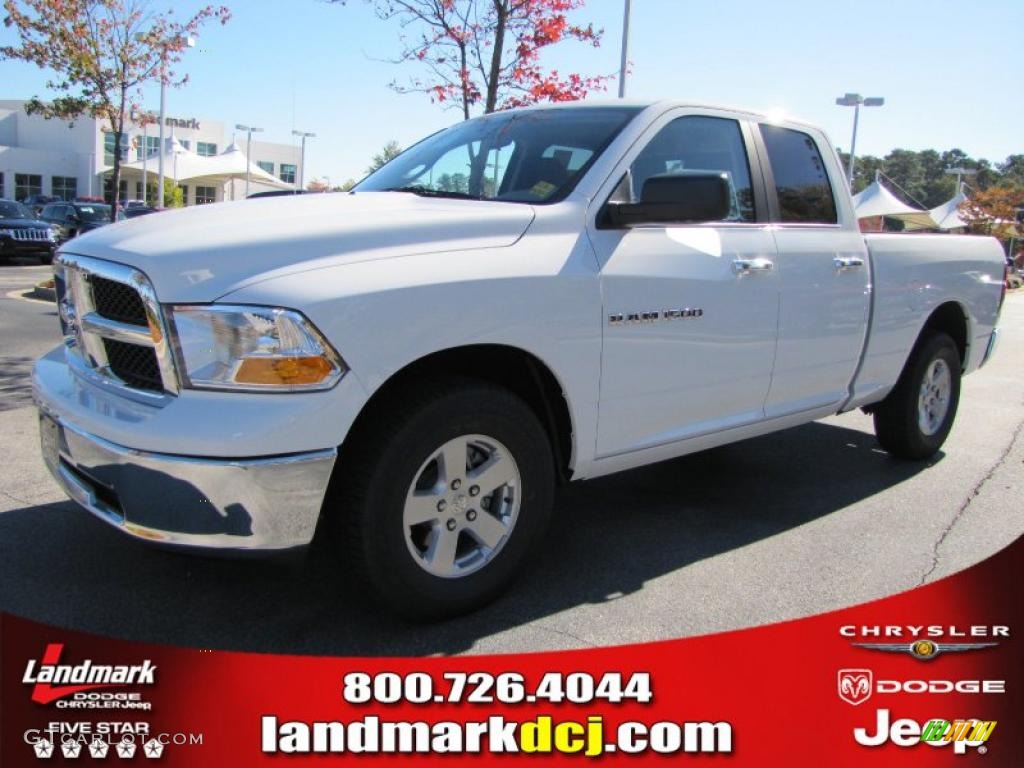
855 685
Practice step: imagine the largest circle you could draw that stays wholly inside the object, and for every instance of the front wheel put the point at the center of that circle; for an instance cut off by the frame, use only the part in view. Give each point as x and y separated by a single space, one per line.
449 493
915 419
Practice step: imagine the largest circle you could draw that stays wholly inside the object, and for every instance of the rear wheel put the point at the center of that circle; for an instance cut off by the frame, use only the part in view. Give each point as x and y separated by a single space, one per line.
445 497
915 419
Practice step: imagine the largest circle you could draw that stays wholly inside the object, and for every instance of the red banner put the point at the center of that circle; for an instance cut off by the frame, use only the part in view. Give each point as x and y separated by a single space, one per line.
925 678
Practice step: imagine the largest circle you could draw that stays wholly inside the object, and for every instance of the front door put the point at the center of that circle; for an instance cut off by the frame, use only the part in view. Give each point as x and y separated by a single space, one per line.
690 312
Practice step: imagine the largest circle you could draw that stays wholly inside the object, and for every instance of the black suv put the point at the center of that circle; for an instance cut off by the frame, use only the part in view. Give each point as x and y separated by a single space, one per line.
36 203
72 219
21 232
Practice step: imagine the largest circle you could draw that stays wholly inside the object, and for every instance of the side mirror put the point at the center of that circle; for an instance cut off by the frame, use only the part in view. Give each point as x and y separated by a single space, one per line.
676 198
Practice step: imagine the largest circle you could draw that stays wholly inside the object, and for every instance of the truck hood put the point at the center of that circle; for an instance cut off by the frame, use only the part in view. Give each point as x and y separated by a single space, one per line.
201 253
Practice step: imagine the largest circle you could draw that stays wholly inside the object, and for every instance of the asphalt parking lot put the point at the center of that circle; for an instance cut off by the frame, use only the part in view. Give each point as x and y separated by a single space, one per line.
783 526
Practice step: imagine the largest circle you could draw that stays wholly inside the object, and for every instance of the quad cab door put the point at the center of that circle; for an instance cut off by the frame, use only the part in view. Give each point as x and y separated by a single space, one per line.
690 311
823 271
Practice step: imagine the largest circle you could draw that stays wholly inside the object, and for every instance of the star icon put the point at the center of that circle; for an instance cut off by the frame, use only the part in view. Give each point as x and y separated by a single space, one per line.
98 748
43 749
126 749
154 748
71 749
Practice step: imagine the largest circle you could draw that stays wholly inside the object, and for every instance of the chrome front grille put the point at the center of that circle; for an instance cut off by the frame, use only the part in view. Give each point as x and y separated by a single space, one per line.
118 301
113 326
31 235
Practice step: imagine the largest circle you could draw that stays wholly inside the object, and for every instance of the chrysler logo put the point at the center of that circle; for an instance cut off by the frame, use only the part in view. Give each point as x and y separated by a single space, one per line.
924 650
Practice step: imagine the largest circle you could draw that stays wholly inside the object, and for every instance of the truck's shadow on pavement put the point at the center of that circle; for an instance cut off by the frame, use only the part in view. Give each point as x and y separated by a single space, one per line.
610 537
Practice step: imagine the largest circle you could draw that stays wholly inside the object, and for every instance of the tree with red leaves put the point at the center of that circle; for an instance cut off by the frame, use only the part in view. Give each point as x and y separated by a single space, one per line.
486 53
102 53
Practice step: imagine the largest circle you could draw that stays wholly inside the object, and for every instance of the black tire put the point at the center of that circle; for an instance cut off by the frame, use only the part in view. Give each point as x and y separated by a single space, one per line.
365 506
46 258
896 418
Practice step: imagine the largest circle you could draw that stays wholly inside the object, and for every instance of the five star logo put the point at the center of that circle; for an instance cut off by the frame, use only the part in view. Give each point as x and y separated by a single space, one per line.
43 749
71 749
98 748
126 749
153 748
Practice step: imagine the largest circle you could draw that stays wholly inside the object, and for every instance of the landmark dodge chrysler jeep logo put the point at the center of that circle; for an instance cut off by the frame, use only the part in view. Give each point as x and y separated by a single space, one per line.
86 676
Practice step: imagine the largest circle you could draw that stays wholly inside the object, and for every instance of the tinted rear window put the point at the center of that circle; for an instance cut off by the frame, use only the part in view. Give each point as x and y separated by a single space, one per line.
801 181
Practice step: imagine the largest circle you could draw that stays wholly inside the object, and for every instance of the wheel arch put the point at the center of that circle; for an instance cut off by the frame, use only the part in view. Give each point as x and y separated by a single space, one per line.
508 366
951 318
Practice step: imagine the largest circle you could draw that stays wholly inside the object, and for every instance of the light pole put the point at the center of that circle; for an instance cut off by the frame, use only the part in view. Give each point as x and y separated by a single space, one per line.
189 43
302 162
855 100
960 172
624 63
249 130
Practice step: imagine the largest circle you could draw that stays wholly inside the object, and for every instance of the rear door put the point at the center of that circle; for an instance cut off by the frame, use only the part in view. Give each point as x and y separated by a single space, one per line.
689 331
823 271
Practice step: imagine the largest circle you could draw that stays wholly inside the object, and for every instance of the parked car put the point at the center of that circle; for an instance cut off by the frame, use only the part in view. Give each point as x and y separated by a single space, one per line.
132 211
407 370
35 203
72 219
22 233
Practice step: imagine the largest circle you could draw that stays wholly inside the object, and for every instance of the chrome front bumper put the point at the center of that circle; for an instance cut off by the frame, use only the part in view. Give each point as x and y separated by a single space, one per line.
244 504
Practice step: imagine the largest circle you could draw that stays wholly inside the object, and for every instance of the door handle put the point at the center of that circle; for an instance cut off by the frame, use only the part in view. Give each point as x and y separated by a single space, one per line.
747 266
848 262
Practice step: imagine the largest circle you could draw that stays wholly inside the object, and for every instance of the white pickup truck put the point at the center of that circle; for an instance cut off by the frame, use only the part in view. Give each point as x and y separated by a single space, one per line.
537 295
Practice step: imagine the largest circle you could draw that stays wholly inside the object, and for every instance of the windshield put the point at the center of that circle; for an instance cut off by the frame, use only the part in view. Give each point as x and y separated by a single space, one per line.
532 156
12 210
93 212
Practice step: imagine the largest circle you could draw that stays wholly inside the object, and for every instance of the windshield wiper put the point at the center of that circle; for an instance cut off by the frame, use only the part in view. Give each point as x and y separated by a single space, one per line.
422 191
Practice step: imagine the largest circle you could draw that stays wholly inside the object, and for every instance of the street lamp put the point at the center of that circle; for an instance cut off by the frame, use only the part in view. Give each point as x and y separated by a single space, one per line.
188 42
248 150
624 62
960 172
302 162
855 100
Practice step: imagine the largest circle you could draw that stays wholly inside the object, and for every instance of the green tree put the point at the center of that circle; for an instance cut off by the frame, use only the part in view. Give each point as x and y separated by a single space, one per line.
101 53
1011 171
390 152
174 196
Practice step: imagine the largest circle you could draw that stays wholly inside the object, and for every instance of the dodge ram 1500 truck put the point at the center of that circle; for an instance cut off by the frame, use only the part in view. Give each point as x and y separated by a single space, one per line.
542 294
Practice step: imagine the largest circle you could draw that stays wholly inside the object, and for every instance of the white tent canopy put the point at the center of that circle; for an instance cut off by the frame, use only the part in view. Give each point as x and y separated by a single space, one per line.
181 165
876 200
947 215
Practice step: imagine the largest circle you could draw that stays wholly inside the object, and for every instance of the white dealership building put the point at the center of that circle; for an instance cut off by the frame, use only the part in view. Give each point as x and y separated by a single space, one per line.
68 160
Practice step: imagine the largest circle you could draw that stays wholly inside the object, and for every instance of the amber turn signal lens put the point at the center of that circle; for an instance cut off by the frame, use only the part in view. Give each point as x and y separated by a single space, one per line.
283 370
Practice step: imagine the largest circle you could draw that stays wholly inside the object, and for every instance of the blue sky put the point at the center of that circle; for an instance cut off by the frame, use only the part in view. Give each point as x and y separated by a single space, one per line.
950 72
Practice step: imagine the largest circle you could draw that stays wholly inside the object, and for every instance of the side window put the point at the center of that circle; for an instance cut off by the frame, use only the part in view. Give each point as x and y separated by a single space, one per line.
698 143
801 181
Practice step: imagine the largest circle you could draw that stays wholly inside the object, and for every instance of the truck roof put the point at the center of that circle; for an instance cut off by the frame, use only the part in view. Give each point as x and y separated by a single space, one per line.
664 104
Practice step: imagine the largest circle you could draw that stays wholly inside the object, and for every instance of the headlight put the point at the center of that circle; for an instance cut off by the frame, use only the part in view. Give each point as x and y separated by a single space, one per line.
6 233
222 346
52 234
